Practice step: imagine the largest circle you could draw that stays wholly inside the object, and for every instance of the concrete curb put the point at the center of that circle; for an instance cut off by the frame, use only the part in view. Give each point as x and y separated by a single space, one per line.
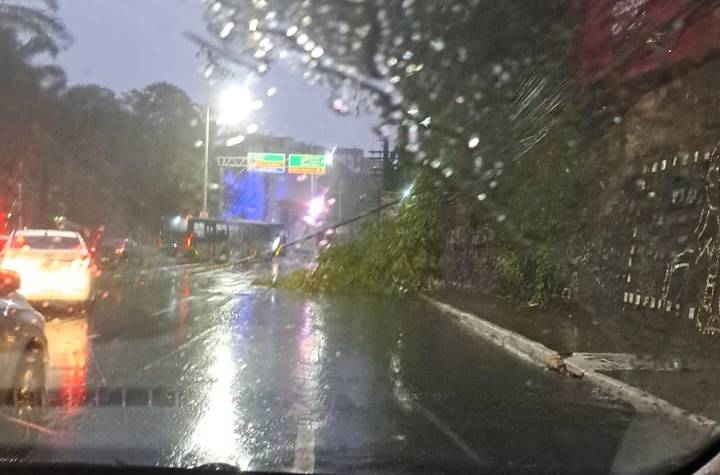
540 355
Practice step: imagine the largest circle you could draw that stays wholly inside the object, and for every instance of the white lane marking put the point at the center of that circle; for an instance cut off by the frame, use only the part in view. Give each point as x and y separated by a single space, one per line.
304 447
178 349
172 307
163 310
449 433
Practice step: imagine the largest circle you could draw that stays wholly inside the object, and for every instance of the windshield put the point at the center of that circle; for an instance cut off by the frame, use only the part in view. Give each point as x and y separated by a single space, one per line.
27 242
364 236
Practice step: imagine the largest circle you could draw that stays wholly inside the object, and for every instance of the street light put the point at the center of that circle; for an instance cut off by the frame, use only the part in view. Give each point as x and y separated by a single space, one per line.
235 104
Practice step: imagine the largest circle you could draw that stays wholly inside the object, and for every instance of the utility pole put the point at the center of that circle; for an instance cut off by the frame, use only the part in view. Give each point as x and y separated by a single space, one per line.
204 212
387 166
339 200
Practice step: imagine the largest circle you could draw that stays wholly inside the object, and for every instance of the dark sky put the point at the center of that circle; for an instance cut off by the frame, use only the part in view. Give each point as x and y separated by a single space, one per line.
126 44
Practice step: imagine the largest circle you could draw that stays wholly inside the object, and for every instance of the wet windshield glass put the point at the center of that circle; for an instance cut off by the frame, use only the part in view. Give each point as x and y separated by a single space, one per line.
392 236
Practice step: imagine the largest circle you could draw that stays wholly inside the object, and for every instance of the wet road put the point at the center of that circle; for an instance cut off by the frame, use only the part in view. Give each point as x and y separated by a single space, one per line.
181 368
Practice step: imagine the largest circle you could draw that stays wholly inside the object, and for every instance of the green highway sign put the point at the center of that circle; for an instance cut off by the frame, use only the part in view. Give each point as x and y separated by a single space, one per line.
303 164
266 162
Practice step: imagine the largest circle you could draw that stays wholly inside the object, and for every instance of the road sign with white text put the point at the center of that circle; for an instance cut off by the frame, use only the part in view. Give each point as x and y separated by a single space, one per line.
304 164
266 162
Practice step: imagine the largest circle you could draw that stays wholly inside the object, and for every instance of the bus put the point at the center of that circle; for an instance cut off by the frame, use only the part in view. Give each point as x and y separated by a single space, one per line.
217 239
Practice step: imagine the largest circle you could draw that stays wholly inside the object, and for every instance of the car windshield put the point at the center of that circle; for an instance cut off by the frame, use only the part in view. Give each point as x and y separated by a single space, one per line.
45 242
361 236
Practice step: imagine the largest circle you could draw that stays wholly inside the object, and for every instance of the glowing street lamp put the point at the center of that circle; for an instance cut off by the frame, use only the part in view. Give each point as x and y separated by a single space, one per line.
235 104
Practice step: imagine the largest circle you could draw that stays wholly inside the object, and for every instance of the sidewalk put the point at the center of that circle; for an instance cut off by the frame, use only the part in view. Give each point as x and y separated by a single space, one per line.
662 354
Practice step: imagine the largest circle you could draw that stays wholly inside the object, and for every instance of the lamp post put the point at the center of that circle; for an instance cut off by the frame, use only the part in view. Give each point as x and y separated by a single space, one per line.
204 212
234 105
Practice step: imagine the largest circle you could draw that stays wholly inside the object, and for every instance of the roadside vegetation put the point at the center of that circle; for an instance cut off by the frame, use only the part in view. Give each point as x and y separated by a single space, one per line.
393 254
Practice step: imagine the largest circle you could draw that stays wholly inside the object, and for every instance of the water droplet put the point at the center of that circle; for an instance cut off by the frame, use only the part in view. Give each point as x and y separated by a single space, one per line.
306 20
302 39
291 31
252 128
478 163
234 140
227 29
493 184
438 44
271 91
317 52
447 173
253 24
474 141
501 218
462 54
339 106
426 121
436 163
497 69
617 119
198 143
481 197
460 99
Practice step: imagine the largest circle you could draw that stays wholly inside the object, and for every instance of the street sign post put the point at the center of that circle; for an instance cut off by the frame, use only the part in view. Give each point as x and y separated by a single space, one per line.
266 162
304 164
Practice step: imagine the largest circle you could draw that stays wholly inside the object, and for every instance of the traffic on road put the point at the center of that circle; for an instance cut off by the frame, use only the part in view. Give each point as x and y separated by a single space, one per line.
359 236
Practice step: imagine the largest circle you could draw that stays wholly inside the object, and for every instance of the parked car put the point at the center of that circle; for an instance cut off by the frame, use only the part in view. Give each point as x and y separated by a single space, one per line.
23 358
55 266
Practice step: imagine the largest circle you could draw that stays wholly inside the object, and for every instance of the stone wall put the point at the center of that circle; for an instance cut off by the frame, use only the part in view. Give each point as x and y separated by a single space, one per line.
657 215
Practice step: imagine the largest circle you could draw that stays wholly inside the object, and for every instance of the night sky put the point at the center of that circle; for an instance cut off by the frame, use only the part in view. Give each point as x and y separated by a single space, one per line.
127 44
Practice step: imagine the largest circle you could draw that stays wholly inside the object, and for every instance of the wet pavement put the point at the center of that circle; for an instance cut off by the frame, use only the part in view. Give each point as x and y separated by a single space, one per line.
183 368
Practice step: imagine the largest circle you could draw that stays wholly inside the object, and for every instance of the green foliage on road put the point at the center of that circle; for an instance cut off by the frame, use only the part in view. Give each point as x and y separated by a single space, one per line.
397 254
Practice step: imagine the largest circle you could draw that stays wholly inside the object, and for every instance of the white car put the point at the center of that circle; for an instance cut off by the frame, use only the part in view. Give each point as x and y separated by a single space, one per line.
54 266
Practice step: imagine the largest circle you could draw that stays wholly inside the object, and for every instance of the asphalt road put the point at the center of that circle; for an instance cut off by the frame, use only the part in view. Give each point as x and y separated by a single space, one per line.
172 367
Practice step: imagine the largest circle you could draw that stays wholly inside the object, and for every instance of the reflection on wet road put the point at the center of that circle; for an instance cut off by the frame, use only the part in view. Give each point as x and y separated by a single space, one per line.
183 369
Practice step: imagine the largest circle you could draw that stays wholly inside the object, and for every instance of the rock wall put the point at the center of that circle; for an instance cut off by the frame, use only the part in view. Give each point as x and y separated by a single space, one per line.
657 215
